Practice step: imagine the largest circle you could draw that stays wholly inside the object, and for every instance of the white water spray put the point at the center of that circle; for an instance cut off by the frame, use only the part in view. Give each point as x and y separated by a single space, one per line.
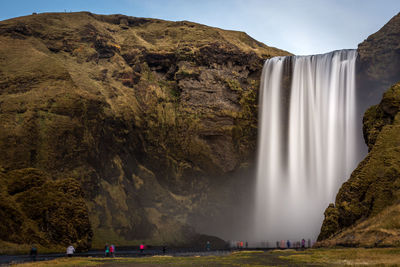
307 142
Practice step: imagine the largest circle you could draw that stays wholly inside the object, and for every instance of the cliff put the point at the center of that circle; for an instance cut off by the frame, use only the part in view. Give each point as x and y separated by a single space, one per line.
144 118
367 207
366 211
378 63
379 54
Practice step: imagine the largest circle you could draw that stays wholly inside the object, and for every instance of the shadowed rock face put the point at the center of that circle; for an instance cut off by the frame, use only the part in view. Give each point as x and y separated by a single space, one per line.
379 62
149 116
380 53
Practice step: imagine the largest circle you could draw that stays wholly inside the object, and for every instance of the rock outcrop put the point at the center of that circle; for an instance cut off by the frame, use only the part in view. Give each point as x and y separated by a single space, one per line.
378 65
379 54
148 116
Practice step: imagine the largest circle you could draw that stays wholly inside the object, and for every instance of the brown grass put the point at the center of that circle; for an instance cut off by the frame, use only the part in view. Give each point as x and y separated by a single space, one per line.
380 230
348 256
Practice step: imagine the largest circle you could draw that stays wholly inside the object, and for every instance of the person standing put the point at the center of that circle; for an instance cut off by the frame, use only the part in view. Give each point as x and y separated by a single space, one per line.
70 251
303 243
208 246
112 251
106 250
33 253
288 244
141 248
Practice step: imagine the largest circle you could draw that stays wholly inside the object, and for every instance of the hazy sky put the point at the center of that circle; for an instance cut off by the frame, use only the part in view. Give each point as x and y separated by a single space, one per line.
299 26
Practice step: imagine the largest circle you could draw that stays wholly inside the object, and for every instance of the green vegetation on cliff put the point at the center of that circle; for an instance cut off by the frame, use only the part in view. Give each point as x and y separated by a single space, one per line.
367 207
36 209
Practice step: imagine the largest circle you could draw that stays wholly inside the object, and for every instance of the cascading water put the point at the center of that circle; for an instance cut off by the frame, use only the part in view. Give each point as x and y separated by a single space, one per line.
307 142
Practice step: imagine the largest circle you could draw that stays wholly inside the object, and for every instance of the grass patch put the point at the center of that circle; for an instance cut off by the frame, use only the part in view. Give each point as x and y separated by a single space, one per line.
244 258
311 257
347 256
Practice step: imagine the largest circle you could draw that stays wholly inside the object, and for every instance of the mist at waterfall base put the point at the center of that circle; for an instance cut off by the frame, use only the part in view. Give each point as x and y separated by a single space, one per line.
308 142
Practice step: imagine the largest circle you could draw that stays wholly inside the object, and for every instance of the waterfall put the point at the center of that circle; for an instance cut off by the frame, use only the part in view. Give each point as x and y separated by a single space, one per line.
307 142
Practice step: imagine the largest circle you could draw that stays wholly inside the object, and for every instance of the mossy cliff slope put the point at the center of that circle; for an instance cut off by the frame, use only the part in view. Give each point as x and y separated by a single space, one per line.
34 208
146 115
367 207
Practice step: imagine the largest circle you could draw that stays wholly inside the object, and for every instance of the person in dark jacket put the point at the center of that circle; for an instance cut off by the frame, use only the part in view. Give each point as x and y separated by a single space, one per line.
33 253
208 246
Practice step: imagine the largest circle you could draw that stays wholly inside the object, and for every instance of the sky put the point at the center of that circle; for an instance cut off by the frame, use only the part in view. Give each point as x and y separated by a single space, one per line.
302 27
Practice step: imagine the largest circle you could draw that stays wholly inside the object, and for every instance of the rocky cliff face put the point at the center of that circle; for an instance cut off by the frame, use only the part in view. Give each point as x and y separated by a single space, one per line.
146 115
367 208
378 64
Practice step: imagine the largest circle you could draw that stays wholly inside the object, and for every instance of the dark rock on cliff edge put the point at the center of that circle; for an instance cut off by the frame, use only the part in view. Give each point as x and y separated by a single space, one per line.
150 117
378 64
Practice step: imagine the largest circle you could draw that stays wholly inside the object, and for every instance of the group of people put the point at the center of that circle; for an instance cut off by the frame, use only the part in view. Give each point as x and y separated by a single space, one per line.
283 244
34 252
241 245
297 245
109 250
